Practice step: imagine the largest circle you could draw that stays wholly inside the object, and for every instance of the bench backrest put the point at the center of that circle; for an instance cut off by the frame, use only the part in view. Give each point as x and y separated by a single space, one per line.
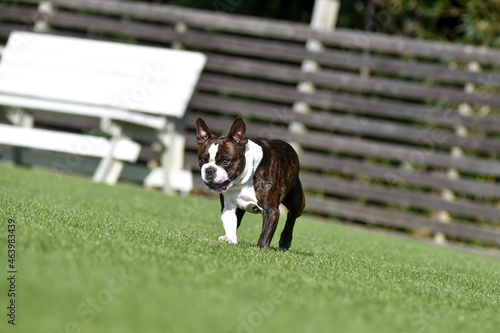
105 74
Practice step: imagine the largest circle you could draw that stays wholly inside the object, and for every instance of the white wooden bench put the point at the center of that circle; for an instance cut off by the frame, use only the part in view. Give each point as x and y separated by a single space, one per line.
129 88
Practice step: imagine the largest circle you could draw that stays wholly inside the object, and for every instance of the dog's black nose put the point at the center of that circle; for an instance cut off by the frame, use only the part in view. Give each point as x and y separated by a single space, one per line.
210 173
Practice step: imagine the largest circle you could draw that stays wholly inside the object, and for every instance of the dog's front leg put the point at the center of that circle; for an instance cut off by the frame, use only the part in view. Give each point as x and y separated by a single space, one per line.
230 223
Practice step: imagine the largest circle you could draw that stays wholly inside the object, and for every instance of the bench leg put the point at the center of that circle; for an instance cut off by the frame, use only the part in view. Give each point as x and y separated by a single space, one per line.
167 157
172 158
114 172
109 168
22 118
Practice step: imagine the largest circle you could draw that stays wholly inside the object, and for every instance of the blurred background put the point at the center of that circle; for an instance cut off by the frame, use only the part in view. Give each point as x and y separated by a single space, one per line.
466 21
393 106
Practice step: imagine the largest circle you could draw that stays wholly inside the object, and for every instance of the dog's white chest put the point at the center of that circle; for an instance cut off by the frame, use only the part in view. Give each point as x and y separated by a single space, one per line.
242 193
244 199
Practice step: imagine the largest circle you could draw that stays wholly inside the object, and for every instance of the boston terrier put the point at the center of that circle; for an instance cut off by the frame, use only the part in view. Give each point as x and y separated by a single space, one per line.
251 175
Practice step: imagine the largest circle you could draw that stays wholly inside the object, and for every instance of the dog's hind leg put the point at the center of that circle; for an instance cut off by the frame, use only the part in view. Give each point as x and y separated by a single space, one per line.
295 203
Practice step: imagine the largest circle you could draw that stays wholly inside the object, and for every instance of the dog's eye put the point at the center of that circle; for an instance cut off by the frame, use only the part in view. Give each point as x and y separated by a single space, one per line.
225 162
203 160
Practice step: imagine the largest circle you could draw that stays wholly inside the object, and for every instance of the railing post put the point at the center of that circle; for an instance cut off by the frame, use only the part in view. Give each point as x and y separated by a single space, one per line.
181 28
324 18
45 10
464 109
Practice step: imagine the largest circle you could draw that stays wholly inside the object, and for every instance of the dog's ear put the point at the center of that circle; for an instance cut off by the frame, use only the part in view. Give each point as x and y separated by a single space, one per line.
237 133
202 131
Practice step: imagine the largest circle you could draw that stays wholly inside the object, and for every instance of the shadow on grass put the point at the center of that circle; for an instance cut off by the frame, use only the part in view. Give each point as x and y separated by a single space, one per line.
249 245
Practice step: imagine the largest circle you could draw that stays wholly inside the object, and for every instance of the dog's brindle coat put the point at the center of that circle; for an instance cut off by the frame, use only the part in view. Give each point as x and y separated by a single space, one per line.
275 181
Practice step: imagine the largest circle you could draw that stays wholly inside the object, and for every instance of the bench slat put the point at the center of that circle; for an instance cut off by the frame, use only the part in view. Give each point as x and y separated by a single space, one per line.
83 110
77 144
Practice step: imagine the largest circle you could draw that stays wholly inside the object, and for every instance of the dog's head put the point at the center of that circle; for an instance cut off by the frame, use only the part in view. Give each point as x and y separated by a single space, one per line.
221 159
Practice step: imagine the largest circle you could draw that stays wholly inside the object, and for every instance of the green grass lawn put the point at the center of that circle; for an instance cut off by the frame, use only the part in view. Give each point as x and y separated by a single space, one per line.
96 258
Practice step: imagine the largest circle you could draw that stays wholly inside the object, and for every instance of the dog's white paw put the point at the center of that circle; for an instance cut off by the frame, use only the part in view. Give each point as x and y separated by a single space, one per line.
226 239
